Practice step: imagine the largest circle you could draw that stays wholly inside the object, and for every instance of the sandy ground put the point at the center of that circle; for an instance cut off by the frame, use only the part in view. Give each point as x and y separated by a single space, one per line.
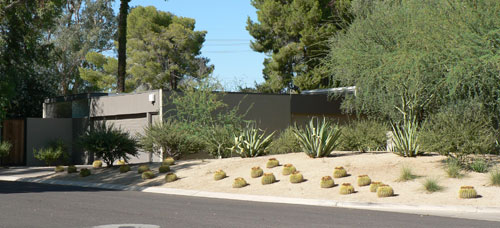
385 167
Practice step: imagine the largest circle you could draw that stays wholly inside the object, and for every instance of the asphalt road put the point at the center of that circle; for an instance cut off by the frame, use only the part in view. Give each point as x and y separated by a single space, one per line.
42 205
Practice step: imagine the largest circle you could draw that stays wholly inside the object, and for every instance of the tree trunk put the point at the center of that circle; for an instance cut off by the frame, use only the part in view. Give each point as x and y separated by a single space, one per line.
122 46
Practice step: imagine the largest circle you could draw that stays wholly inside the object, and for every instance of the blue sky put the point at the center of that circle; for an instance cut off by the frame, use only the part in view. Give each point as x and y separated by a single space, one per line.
227 41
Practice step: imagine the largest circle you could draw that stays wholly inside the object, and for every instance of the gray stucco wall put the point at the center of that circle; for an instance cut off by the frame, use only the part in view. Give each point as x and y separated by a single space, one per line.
124 104
40 132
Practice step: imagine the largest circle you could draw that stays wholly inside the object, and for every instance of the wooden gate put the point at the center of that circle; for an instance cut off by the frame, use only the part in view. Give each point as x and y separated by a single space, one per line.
13 131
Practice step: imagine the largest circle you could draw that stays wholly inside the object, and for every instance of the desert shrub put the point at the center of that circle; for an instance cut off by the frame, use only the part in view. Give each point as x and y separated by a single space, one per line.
252 142
85 172
220 139
431 185
406 173
109 143
164 169
459 131
72 169
318 138
405 138
5 148
143 168
59 169
97 164
363 135
171 137
55 152
453 168
147 175
124 168
479 165
286 142
467 192
495 177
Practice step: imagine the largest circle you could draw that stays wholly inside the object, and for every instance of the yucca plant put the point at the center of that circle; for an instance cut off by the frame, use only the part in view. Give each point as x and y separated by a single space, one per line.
251 142
318 138
405 138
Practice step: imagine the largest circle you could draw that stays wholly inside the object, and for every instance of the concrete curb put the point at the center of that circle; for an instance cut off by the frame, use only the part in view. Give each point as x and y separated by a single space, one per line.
445 210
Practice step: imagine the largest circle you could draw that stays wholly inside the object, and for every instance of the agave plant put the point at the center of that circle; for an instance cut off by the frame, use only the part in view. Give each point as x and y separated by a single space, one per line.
405 138
319 138
251 142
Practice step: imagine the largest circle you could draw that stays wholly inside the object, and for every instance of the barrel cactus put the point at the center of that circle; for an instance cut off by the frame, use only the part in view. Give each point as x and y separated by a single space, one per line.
170 177
121 162
97 164
124 168
239 182
384 190
59 169
339 172
147 175
219 175
168 161
72 169
164 169
84 172
143 168
346 188
272 162
467 192
268 178
256 172
327 182
374 185
288 169
364 180
296 177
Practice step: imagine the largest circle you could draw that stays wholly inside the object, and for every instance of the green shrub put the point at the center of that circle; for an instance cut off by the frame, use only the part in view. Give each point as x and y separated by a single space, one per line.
85 172
479 165
143 168
59 169
459 131
147 175
220 139
55 152
164 169
109 143
5 148
346 188
124 168
327 182
406 173
318 139
252 142
97 164
72 169
285 143
453 168
170 177
495 177
363 135
467 192
431 185
239 182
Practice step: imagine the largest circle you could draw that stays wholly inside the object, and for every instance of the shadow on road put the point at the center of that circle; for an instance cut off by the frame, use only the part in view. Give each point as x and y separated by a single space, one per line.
8 187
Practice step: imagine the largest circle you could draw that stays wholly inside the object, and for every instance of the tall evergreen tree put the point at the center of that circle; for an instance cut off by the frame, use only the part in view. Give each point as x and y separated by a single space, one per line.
122 45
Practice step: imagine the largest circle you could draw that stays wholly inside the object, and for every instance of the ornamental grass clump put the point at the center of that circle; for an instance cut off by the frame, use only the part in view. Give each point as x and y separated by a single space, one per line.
142 169
164 169
288 169
59 169
72 169
346 188
364 180
85 172
479 166
339 172
168 161
467 192
124 168
495 177
374 185
219 175
296 177
170 177
431 185
239 182
97 164
268 178
384 190
453 168
256 172
272 162
327 182
406 174
147 175
318 139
